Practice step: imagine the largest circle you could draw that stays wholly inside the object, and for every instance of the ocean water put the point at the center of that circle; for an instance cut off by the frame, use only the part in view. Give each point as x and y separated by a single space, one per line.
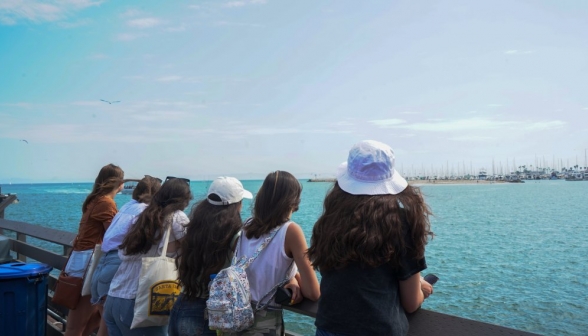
507 254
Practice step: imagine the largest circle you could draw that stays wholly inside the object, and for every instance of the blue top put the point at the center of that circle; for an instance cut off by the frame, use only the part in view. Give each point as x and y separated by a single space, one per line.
15 270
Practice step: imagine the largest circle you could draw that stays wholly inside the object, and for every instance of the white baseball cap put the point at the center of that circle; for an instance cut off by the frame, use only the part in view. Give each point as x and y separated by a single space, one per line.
369 170
229 189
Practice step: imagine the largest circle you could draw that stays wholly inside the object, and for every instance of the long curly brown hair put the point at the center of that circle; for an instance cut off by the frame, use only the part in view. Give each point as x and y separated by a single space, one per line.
148 230
206 245
371 230
109 178
279 194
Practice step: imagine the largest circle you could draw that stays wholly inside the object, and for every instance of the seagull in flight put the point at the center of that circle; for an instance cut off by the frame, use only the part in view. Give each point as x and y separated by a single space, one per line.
110 102
25 141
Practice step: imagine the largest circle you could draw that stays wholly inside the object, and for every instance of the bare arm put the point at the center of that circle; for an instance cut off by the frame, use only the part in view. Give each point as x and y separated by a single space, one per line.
295 246
411 294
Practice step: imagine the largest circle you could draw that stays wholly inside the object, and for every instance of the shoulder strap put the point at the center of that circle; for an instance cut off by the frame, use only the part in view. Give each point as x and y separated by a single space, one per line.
247 262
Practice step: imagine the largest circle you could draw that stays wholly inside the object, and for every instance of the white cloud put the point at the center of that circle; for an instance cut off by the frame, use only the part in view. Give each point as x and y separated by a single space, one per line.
518 52
235 4
161 115
134 77
87 103
176 29
585 108
128 36
458 125
278 131
240 24
545 125
144 22
470 124
169 79
387 122
131 13
469 138
12 11
410 112
241 3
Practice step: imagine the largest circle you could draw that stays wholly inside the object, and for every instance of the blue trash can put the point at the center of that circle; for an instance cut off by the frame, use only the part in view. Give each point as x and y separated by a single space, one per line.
23 298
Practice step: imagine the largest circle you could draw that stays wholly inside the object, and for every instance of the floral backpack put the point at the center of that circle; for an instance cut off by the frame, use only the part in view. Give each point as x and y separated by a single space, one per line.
229 301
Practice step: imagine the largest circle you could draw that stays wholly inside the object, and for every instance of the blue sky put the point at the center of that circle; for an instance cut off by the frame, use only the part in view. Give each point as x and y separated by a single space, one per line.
242 88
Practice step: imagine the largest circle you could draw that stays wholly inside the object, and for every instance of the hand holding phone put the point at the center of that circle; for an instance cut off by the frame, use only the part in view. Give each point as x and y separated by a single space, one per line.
283 296
431 278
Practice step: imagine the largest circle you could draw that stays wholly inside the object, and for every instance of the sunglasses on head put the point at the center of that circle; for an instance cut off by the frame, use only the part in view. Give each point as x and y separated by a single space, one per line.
179 178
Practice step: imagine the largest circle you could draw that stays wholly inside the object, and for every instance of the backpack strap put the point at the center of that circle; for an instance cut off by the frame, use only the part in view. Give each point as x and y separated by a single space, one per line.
243 262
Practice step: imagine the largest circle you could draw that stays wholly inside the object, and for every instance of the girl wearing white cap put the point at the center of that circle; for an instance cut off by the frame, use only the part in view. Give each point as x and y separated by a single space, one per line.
369 245
208 246
284 258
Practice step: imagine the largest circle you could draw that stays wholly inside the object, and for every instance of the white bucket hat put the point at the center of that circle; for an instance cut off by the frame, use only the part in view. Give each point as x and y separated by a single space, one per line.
369 170
229 189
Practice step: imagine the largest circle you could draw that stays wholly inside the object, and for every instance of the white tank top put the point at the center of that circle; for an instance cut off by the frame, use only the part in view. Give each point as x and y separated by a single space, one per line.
271 265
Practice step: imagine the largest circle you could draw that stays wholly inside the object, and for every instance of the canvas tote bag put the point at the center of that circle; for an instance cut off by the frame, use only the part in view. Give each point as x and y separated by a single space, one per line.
87 289
158 289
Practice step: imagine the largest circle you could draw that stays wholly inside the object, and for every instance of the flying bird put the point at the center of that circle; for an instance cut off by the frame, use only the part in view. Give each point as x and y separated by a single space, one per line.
25 141
110 102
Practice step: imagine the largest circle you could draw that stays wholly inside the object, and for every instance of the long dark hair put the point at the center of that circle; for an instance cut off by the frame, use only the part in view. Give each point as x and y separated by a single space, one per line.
146 188
371 230
206 245
109 178
279 194
148 230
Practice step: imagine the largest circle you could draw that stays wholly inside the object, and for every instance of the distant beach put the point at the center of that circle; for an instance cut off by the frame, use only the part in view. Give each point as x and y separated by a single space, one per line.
422 182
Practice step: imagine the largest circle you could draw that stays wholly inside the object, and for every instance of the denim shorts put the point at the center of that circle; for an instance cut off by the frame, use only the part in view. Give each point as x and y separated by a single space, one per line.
118 316
107 267
187 318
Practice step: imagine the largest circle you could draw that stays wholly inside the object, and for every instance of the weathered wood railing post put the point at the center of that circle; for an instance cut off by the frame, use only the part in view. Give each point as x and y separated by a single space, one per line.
5 201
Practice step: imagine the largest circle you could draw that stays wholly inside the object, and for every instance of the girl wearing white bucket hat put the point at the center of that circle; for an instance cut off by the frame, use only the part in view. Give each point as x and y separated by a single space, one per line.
369 245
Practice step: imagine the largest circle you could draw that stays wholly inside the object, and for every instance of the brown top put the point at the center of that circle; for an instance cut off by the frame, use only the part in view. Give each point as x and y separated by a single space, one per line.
94 223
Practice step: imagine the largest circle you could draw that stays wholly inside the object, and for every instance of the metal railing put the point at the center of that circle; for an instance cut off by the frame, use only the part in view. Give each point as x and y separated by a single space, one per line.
422 323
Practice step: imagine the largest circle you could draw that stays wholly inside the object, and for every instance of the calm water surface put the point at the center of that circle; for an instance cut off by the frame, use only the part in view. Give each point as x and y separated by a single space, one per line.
508 254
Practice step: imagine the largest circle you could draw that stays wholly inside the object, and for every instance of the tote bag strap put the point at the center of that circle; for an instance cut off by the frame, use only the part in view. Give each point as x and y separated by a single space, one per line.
166 239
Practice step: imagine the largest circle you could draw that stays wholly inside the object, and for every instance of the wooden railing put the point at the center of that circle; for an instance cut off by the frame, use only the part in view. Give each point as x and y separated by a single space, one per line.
422 323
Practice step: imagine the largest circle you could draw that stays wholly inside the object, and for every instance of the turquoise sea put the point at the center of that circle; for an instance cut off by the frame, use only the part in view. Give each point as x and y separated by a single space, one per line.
507 254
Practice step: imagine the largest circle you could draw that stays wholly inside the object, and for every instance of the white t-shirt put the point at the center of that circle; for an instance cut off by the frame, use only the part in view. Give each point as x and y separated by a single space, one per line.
121 223
271 265
126 280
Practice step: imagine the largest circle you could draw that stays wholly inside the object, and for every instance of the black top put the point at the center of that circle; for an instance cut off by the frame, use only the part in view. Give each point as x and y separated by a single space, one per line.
365 300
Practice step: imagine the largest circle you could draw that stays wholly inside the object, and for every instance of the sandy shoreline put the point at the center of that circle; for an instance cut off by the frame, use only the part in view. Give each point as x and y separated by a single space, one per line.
426 182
